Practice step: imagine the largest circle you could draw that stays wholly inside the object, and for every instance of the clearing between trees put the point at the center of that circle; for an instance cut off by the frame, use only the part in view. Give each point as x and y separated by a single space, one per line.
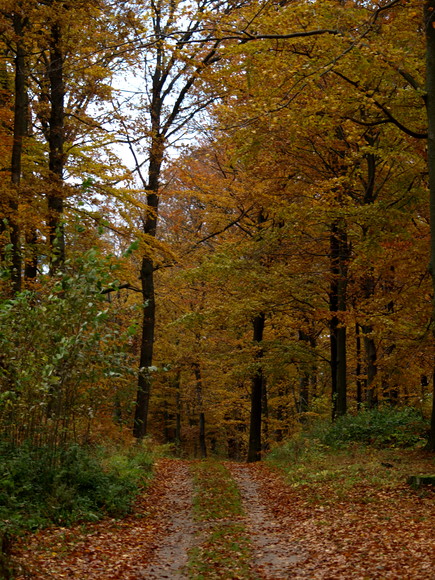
348 516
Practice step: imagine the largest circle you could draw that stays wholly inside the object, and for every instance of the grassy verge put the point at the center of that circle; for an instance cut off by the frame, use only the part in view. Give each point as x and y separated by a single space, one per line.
225 552
41 487
375 450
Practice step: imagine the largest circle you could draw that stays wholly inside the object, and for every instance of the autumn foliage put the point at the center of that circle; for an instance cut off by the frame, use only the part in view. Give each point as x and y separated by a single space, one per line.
215 223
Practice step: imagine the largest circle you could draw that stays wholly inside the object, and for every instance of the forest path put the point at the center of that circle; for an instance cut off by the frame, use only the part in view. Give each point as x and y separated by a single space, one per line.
149 544
322 532
154 541
275 555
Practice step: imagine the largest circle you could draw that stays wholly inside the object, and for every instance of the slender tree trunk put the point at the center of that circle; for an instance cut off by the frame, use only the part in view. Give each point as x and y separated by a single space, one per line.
56 138
369 344
200 403
148 293
429 24
359 380
304 379
19 131
337 304
313 372
371 357
177 412
265 444
31 261
254 449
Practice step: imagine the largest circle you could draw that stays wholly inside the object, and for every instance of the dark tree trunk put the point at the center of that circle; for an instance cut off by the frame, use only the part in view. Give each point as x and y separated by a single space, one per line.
369 344
177 412
429 22
56 137
265 416
200 403
359 380
146 349
254 449
337 304
31 261
148 294
304 379
19 131
371 356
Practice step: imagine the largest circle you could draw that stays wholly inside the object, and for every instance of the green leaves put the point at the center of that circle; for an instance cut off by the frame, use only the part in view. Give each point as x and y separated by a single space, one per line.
56 345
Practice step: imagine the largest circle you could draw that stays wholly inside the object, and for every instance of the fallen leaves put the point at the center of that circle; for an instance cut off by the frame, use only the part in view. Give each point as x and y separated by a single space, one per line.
362 530
336 525
109 549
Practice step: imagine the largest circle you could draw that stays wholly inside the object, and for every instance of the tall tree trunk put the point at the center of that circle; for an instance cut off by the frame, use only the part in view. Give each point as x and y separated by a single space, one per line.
337 304
371 356
200 403
19 131
359 380
31 261
265 444
56 138
304 380
254 449
369 343
429 24
147 281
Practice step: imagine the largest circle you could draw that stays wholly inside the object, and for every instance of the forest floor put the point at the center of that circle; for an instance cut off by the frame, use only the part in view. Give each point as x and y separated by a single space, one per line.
349 518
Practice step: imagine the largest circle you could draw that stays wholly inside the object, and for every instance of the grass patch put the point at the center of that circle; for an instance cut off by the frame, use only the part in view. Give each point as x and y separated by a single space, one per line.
356 457
225 553
217 495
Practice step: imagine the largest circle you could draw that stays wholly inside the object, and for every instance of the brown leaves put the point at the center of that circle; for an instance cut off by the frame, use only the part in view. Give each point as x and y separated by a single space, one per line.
109 549
365 532
331 529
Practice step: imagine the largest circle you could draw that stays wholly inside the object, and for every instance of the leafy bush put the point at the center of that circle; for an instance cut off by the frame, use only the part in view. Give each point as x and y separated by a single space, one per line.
383 427
39 486
380 428
61 353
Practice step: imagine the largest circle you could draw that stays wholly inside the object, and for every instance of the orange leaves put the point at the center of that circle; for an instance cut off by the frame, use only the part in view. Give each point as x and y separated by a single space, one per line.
105 550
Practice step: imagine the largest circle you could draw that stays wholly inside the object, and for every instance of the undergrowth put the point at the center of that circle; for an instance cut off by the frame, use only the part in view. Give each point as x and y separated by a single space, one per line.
39 486
374 449
383 427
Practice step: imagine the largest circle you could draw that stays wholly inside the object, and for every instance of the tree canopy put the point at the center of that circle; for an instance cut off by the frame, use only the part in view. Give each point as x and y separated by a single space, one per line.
216 217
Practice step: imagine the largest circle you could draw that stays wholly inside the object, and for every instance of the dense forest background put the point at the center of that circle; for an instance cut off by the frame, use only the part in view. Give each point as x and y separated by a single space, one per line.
215 219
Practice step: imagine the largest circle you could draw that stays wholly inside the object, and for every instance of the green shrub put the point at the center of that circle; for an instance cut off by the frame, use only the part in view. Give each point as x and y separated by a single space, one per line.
39 486
61 353
383 427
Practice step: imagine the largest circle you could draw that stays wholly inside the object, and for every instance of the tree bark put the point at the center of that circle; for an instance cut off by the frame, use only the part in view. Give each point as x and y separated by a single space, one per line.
56 137
200 403
147 281
369 345
337 303
254 449
304 380
359 380
19 131
429 25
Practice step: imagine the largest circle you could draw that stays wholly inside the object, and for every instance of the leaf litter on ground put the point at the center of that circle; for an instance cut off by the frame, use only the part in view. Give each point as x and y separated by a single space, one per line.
341 517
